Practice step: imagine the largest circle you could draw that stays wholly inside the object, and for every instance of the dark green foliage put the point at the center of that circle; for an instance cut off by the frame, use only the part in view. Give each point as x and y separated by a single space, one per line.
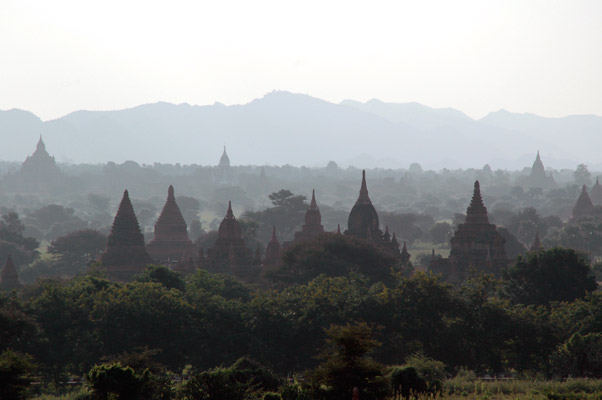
237 382
15 375
334 255
286 215
580 356
161 274
76 250
346 364
406 382
12 242
440 232
109 381
552 275
17 326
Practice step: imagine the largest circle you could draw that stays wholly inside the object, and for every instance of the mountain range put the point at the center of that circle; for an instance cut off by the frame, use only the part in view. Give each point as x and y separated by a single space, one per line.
287 128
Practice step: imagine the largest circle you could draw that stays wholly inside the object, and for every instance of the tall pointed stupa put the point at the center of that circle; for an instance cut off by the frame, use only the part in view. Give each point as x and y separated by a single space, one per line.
363 218
224 161
9 278
596 193
125 254
229 252
476 243
404 256
273 258
584 206
313 221
170 242
538 177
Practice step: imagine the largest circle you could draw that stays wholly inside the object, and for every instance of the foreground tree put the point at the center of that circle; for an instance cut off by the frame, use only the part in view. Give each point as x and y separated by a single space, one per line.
346 364
15 375
557 274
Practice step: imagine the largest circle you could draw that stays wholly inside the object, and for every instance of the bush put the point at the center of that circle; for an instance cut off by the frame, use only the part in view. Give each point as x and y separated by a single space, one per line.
15 375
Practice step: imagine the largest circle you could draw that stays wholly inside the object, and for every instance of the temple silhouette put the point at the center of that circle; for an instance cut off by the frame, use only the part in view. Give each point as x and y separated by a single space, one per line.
39 173
125 253
475 244
170 244
538 177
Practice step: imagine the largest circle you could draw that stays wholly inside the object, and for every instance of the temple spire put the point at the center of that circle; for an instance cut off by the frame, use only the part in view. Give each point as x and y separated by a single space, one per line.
229 213
41 147
170 240
387 235
125 254
405 256
313 203
596 193
584 205
363 198
476 212
272 252
224 161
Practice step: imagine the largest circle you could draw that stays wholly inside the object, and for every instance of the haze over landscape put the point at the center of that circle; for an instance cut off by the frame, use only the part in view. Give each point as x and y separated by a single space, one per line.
272 200
371 134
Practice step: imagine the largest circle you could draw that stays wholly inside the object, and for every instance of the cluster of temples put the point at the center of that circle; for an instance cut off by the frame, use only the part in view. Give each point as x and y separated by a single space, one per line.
475 244
126 253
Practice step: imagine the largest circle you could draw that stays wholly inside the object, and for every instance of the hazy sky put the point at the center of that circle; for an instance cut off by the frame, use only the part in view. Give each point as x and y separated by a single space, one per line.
543 57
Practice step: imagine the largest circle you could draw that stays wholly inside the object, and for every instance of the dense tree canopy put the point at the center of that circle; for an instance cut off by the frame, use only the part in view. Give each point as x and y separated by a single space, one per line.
556 274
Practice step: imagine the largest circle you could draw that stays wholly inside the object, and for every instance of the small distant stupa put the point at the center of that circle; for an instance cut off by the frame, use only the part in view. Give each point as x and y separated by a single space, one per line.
125 254
596 193
224 161
223 173
538 177
170 242
9 278
313 222
584 207
273 257
39 173
229 252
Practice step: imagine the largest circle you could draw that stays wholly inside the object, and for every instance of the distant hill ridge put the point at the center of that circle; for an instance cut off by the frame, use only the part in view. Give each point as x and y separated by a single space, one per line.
286 128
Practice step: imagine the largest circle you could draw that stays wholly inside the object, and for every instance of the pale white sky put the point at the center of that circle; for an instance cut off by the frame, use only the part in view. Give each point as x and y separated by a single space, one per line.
543 57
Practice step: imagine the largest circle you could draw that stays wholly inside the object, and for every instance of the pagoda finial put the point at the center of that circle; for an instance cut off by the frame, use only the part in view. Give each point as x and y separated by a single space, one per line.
229 213
313 203
224 161
41 147
476 212
363 198
274 239
404 256
338 229
170 192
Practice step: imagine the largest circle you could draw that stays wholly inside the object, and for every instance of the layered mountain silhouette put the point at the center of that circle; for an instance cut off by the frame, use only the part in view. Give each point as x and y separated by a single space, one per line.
286 128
